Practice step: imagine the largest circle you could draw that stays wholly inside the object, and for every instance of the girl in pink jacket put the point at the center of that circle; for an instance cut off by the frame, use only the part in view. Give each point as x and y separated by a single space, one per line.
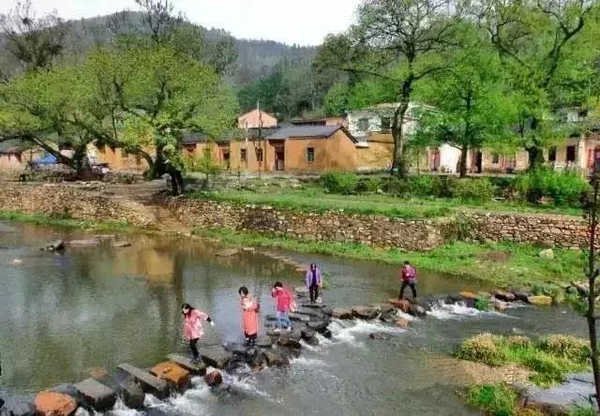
250 310
284 302
192 327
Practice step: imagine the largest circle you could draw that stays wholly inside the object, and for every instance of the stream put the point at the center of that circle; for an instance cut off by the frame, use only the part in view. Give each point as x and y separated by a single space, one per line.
66 317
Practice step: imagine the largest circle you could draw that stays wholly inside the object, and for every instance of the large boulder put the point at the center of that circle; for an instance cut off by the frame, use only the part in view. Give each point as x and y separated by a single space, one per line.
365 312
342 313
288 342
50 403
540 300
178 378
403 305
95 395
318 325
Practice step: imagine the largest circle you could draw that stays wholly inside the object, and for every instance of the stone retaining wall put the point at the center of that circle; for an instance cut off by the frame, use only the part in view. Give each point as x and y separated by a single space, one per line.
81 203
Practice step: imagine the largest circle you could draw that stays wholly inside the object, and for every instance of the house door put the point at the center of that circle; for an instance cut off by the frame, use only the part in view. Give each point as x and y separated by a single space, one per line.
434 160
477 162
279 157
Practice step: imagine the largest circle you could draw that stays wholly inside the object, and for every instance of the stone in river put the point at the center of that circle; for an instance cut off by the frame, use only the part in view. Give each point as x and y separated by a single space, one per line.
132 394
96 395
84 243
150 384
365 312
216 356
178 378
121 244
402 323
301 291
297 317
575 392
503 295
521 295
185 362
318 325
273 358
289 342
540 300
57 245
228 252
403 305
264 342
417 310
379 336
49 403
213 378
342 313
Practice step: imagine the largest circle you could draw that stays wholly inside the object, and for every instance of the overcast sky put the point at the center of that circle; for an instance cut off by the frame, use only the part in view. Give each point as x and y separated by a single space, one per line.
304 22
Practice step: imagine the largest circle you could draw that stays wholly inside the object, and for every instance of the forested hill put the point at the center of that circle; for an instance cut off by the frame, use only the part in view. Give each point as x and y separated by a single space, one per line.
256 58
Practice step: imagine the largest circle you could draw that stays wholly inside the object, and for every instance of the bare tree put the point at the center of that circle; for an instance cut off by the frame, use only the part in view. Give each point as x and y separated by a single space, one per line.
159 16
34 42
410 34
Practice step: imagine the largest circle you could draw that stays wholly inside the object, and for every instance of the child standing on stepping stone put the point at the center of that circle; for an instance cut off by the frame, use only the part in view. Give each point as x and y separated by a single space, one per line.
284 301
250 316
192 327
313 282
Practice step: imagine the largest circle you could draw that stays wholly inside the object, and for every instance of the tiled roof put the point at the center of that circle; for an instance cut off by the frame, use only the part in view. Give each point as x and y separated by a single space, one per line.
303 131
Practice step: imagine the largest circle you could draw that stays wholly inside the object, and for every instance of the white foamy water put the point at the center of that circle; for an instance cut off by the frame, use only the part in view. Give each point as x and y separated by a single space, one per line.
459 310
309 362
351 332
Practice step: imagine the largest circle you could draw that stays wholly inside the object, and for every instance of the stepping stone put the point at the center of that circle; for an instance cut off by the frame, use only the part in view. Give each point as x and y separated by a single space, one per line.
299 317
197 369
310 312
313 305
365 312
342 313
264 342
132 394
318 325
50 403
216 357
308 333
96 395
178 378
149 383
275 359
289 342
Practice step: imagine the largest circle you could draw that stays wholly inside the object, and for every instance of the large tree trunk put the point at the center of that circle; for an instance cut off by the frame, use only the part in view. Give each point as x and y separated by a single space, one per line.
464 153
400 163
536 157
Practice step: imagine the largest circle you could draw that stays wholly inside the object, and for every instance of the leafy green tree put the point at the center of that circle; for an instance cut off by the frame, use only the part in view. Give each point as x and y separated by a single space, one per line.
472 107
540 44
336 100
402 41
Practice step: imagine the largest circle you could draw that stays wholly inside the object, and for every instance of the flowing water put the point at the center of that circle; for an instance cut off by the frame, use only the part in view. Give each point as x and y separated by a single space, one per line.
64 317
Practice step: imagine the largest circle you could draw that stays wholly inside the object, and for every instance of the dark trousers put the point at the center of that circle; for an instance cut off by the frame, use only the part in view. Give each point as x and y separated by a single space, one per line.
250 338
314 293
194 348
413 287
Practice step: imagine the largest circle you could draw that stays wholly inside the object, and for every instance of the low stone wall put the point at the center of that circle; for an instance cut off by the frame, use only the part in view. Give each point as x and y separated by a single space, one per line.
66 201
547 230
85 203
373 230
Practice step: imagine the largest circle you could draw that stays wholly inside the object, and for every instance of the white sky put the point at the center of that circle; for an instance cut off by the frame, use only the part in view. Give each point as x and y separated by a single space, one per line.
304 22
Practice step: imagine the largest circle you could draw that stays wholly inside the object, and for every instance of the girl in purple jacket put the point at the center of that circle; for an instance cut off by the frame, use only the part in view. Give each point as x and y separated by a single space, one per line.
313 281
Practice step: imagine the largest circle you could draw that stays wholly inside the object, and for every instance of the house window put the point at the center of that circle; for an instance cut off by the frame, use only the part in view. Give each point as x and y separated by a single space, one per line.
243 155
310 154
571 152
386 124
495 158
552 154
363 124
259 155
190 148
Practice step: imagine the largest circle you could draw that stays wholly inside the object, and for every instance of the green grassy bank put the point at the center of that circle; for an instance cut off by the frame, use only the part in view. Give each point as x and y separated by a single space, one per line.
503 265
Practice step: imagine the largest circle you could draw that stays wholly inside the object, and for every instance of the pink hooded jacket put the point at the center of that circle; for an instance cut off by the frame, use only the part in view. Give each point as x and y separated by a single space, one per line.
192 324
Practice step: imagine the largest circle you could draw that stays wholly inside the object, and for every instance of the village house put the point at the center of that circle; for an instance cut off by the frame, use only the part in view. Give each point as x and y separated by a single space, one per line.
14 157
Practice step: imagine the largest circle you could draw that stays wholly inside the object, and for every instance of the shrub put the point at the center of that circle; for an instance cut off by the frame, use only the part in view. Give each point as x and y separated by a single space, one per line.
566 346
548 369
396 186
340 182
424 185
482 304
482 348
368 185
564 188
473 189
518 342
496 399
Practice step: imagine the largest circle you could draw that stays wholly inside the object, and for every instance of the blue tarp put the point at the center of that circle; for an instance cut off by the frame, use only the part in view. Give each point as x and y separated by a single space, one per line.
48 160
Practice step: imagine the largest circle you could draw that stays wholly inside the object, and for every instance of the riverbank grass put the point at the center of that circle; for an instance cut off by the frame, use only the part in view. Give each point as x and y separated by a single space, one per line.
501 265
493 399
551 357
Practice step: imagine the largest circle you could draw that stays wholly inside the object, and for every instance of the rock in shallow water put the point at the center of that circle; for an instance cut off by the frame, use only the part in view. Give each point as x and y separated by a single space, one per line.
49 403
342 313
365 312
96 395
213 378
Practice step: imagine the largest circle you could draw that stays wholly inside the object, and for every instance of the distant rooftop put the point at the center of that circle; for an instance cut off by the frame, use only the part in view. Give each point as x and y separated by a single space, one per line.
303 131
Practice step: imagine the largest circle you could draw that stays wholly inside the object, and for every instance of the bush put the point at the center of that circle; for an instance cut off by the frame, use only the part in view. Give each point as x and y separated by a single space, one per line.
496 399
473 190
368 185
518 342
566 346
549 370
340 182
482 348
564 188
482 304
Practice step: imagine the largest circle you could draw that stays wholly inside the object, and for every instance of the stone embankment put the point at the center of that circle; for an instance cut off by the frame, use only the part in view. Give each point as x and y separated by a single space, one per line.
184 214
